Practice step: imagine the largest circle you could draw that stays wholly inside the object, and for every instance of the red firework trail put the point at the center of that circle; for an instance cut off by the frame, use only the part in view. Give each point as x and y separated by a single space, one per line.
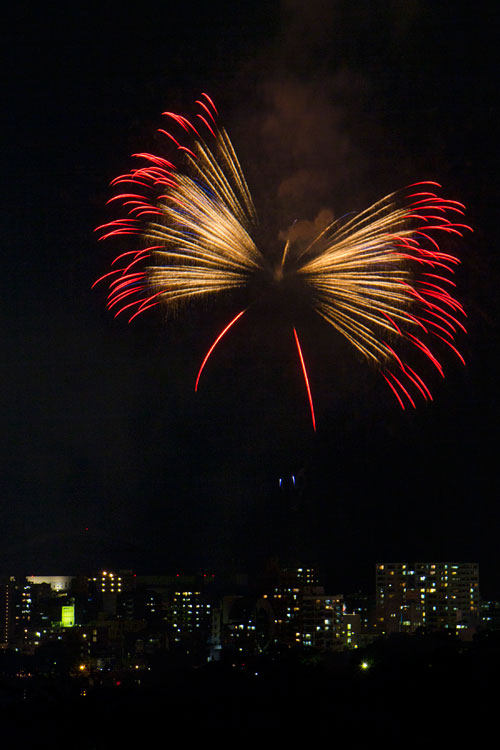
221 334
305 378
380 277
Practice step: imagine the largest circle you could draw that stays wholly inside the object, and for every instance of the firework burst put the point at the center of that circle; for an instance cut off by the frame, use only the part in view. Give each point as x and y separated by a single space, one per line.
380 278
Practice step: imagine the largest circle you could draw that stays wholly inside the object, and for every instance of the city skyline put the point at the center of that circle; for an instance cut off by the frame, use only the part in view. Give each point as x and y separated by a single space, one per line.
73 650
279 605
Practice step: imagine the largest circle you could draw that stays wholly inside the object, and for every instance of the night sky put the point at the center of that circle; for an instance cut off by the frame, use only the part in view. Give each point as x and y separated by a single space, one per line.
109 455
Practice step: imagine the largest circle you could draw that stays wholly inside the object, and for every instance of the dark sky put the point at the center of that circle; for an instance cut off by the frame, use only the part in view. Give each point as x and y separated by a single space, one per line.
109 455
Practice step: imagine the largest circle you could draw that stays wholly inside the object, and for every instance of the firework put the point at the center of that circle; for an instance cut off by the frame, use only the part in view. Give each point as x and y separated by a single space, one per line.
380 278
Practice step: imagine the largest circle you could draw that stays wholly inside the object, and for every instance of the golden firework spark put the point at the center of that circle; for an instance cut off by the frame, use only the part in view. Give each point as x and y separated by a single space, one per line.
379 278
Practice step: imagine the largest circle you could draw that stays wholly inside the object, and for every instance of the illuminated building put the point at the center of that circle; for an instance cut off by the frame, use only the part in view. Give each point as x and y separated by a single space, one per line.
108 585
152 595
238 622
319 621
303 614
433 595
290 577
28 611
360 608
490 615
351 630
286 599
68 616
57 583
188 613
24 608
7 589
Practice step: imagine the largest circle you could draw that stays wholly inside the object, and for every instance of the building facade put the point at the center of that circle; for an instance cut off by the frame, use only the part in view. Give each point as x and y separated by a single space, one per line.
431 595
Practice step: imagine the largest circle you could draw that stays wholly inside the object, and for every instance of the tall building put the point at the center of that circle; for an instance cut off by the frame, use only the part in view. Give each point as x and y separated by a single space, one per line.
286 599
361 613
319 623
108 586
189 613
303 614
7 610
432 595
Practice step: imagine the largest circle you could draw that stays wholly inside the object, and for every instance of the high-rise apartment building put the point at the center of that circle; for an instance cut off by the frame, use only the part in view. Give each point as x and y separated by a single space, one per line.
188 613
432 595
303 614
319 622
7 610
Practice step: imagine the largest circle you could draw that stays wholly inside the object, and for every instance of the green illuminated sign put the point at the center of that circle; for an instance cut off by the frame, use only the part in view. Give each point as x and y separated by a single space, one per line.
68 616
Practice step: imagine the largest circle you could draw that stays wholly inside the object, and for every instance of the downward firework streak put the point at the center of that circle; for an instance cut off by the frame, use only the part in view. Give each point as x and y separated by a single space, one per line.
305 378
380 277
221 334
